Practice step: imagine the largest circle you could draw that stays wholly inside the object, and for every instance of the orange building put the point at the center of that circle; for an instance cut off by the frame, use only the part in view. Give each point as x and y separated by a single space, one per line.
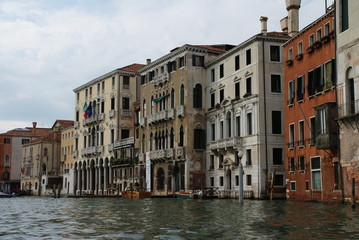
312 169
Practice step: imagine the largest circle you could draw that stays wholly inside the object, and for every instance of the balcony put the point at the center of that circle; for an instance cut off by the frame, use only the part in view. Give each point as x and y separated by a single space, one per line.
143 122
94 119
180 153
91 150
161 116
233 142
171 113
126 113
160 79
162 154
180 111
74 154
110 147
124 143
99 149
151 119
111 113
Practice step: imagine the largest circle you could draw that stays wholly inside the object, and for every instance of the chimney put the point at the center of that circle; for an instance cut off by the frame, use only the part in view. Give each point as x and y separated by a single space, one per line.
293 16
34 127
264 25
284 24
148 61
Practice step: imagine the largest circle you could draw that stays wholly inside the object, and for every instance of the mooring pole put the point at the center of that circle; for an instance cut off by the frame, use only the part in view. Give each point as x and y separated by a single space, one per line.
353 193
240 176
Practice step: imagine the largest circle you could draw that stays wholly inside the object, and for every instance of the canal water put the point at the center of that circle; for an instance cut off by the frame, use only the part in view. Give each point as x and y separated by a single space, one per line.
119 218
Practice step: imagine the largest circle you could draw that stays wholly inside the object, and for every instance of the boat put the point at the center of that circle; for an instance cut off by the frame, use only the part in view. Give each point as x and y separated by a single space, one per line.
187 195
135 192
5 195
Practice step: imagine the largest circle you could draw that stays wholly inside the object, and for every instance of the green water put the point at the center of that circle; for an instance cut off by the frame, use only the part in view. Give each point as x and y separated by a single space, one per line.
118 218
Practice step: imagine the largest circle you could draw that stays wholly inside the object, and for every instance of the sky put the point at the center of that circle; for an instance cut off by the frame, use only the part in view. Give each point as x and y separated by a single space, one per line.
48 47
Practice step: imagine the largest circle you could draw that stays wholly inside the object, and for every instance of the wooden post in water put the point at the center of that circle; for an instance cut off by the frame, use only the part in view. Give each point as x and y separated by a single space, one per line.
58 190
54 190
353 193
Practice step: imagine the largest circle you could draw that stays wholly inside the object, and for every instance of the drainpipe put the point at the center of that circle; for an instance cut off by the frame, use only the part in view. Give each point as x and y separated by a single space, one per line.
265 115
340 173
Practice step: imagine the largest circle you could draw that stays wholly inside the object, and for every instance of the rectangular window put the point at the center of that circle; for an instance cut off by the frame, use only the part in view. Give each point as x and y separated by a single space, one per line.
326 29
221 95
278 180
248 157
237 90
311 39
238 125
213 131
311 83
292 186
249 180
249 85
126 82
291 164
7 141
291 135
236 63
276 83
290 54
319 34
328 75
275 53
103 86
316 173
213 100
300 88
197 61
301 162
98 88
249 124
112 103
220 161
199 139
125 133
221 71
211 179
312 131
126 103
221 128
112 135
276 122
300 47
182 61
301 134
221 181
113 82
213 75
248 57
344 15
24 141
237 180
291 92
211 162
277 156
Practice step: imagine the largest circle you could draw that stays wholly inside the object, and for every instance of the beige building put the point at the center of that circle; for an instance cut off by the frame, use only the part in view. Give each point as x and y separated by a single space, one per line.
172 119
104 130
347 28
244 92
41 161
66 160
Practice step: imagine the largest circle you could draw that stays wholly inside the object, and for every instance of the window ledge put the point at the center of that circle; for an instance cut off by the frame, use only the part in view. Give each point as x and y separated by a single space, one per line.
301 171
291 105
301 146
291 148
291 172
300 101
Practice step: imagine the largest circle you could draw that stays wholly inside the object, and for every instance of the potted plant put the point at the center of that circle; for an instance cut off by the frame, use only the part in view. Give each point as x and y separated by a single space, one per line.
317 44
325 39
331 34
218 105
289 62
247 95
299 57
310 50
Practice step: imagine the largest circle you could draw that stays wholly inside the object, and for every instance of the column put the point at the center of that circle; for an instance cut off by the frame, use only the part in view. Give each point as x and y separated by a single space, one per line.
91 180
100 178
105 177
83 179
78 187
110 174
96 180
88 178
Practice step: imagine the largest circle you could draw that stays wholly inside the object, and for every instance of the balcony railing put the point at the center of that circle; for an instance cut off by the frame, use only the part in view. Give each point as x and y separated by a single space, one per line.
110 147
111 113
232 142
180 152
348 109
161 154
94 119
124 142
180 111
160 79
92 150
74 154
161 116
126 112
171 113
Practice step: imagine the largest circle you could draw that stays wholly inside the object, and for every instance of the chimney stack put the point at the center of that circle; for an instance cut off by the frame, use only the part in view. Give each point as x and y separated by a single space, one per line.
34 127
293 16
148 61
263 25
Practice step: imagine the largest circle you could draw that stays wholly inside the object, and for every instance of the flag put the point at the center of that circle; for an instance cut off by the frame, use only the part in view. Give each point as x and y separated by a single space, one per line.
84 110
89 111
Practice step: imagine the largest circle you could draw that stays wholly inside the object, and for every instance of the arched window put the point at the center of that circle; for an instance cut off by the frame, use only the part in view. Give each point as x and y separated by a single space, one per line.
197 96
172 139
181 137
199 140
93 137
143 143
45 152
350 96
156 141
160 179
172 98
163 101
182 95
163 140
6 175
151 141
229 124
152 105
7 161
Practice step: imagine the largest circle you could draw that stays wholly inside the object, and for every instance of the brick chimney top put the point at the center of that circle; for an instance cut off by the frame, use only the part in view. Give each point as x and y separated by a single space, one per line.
264 25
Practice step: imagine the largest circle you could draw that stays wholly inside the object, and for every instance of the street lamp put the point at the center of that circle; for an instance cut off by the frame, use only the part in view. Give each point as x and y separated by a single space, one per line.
240 175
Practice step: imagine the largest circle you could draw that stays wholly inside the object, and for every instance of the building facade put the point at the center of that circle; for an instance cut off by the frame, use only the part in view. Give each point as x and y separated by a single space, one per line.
244 95
347 28
104 130
66 160
313 171
172 119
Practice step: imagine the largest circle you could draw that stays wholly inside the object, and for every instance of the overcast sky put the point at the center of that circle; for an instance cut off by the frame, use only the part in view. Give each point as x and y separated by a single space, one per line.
48 47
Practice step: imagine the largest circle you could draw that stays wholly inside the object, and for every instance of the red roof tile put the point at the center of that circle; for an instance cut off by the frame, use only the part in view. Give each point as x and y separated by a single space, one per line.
132 68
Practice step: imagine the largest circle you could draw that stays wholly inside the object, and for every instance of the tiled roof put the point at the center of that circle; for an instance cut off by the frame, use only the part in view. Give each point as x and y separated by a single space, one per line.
51 137
132 68
27 132
64 123
211 48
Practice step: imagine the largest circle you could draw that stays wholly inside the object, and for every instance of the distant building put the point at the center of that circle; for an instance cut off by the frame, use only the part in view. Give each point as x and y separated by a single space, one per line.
41 161
11 154
66 160
245 112
313 171
347 27
104 130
